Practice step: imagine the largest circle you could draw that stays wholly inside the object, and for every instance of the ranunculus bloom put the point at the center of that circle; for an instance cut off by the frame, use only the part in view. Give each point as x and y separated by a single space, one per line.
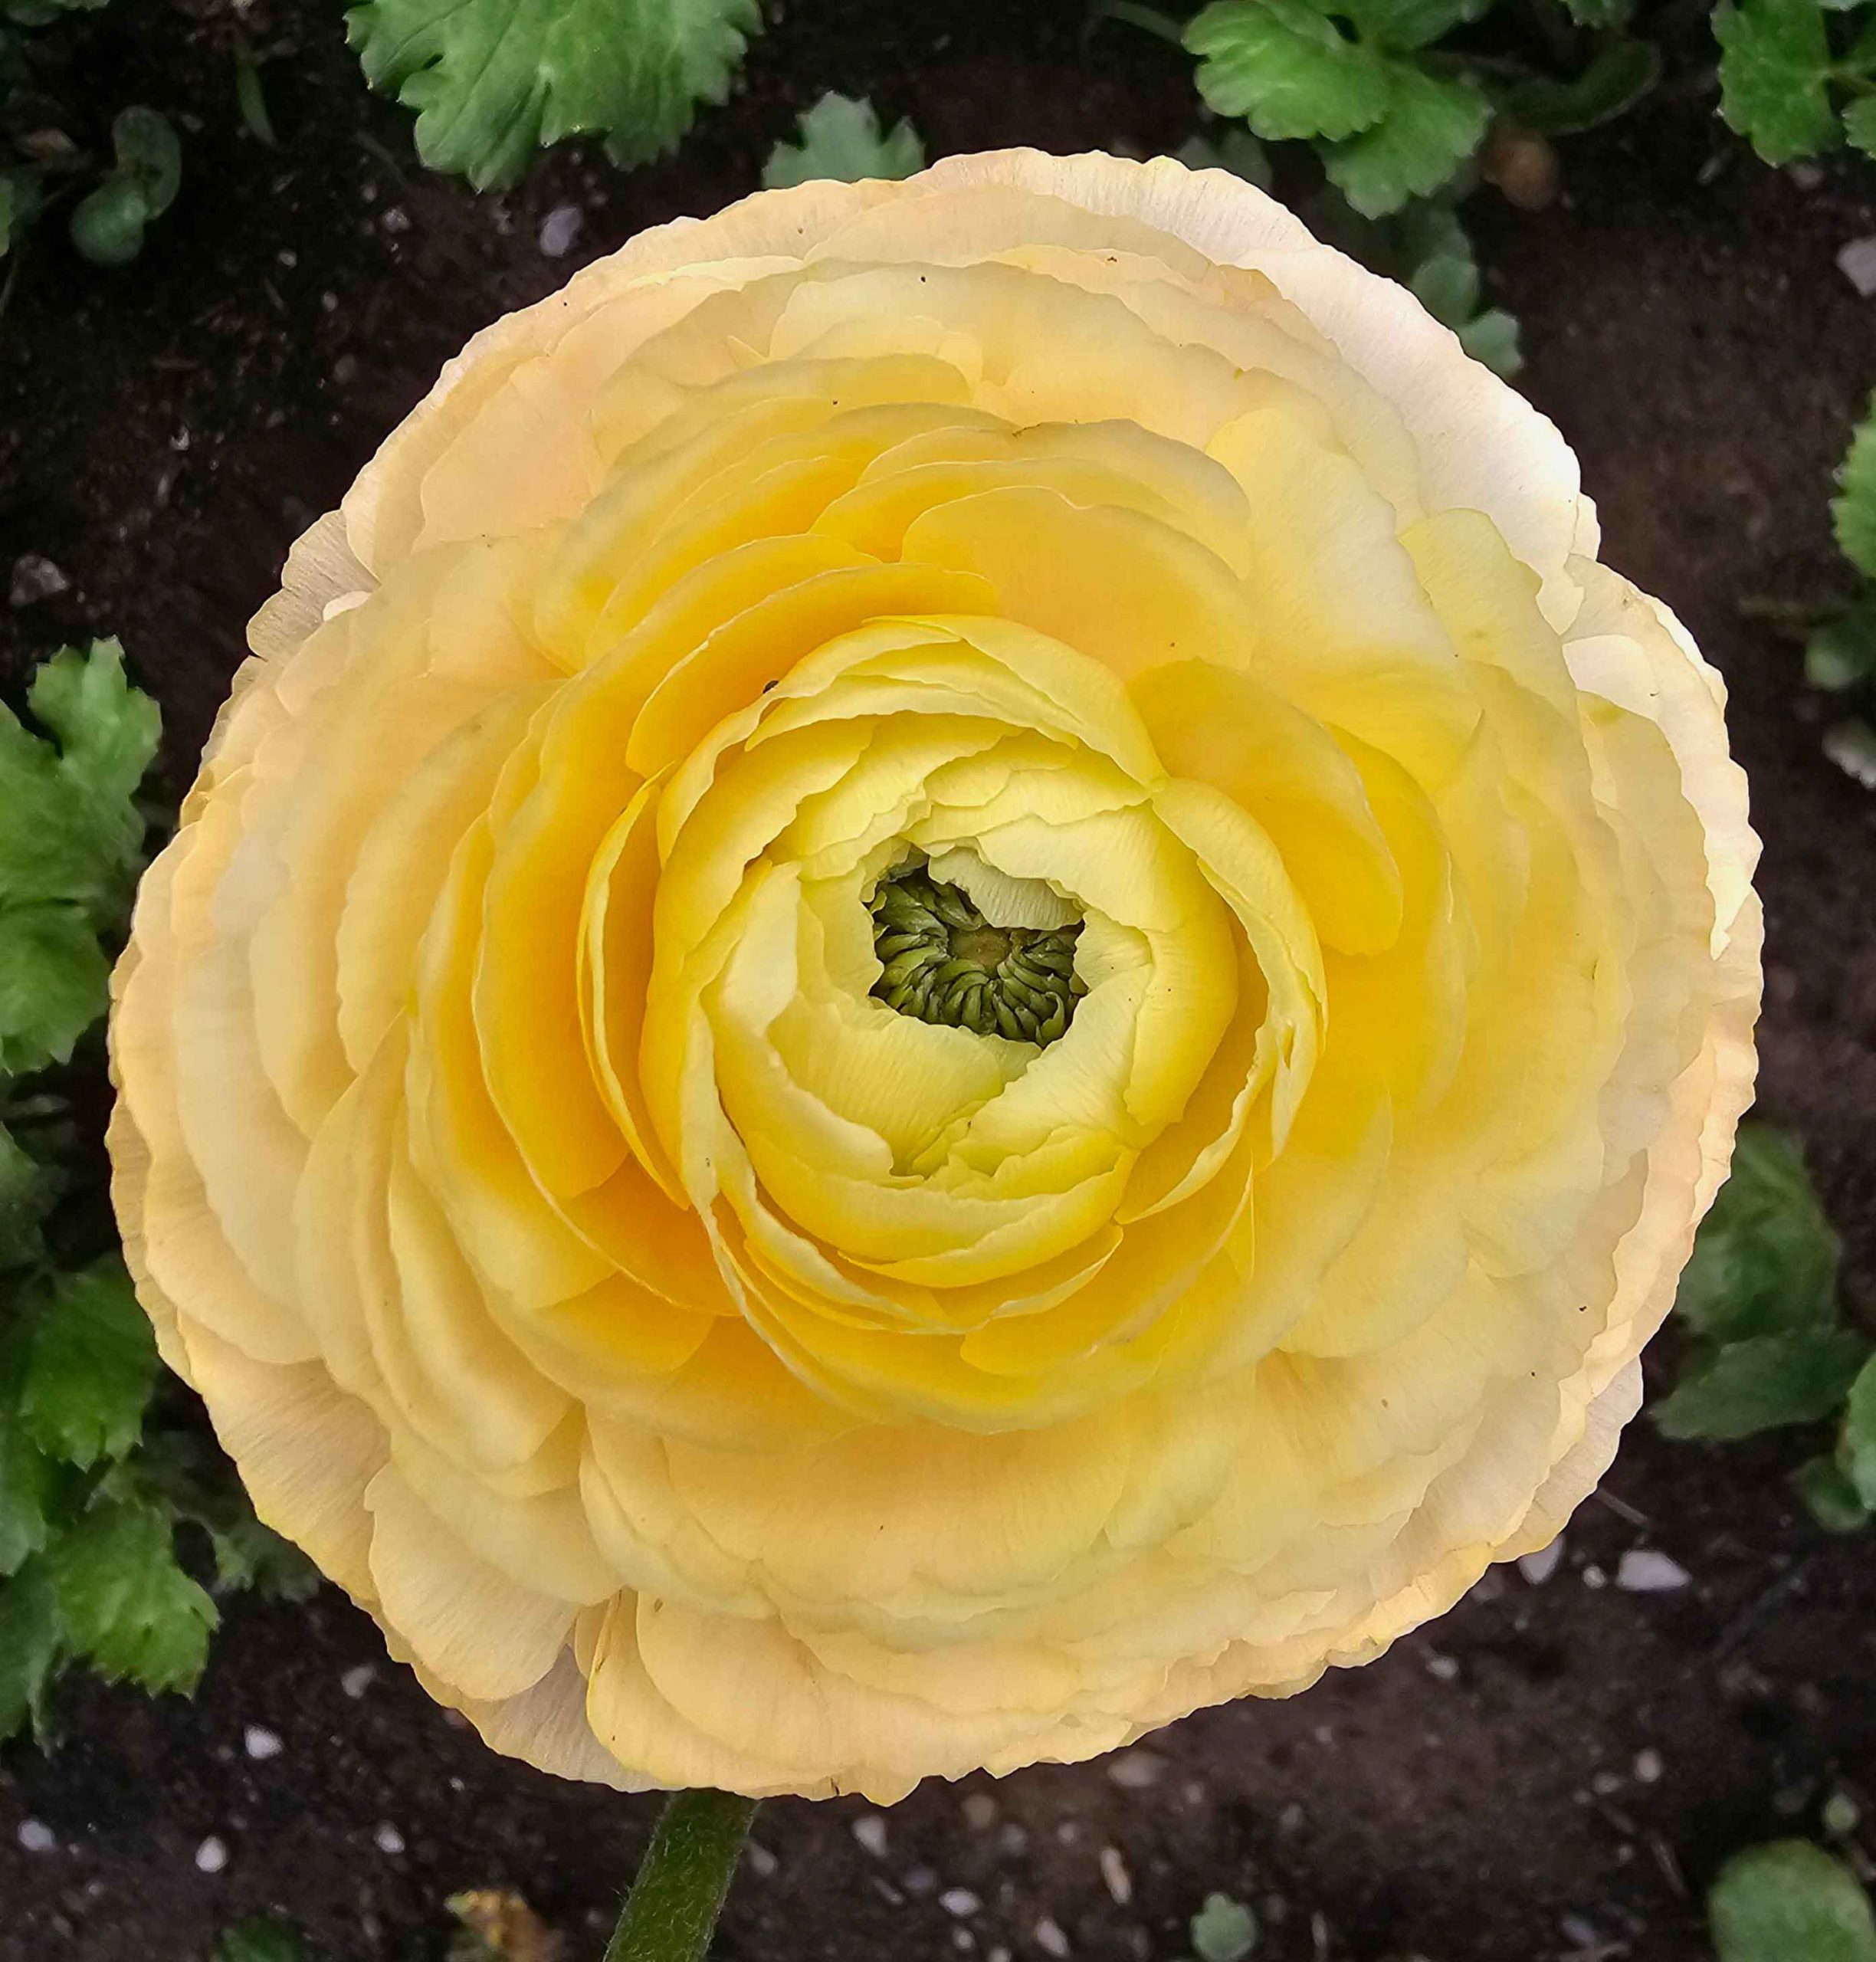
952 978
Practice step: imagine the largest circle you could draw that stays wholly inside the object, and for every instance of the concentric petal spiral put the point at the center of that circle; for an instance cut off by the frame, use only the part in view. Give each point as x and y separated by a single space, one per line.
950 979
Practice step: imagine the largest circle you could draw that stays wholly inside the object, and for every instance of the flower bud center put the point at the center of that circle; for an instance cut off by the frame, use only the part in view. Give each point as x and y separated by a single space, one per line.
942 961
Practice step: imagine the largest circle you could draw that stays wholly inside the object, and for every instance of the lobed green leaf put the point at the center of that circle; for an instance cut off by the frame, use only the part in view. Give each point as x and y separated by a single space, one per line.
1762 1383
492 81
840 139
1775 66
1288 69
1766 1259
90 1366
31 1640
1856 1450
1223 1930
69 833
259 1940
1429 127
1854 508
127 1606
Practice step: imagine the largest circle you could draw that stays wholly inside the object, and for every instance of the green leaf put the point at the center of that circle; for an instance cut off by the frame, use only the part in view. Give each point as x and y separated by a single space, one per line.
90 1366
107 227
1859 122
54 983
1494 339
247 1554
1775 62
1235 150
1829 1496
259 1940
148 152
1850 744
106 729
1288 69
70 831
196 1484
840 139
250 101
25 1478
19 197
31 1638
26 1192
1854 509
1766 1257
1856 1450
492 81
1790 1901
1447 286
128 1607
1622 72
1223 1930
1409 23
1763 1382
1842 653
1430 127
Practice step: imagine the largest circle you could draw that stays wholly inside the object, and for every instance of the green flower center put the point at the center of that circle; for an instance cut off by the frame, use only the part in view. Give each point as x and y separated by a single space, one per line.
943 961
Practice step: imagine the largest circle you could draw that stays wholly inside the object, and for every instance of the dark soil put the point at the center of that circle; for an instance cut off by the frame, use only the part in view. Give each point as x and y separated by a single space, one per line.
1555 1770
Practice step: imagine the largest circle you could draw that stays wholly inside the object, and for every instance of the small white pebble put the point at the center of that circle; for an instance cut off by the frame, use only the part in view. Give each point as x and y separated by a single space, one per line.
1114 1871
396 219
559 230
1442 1669
288 256
36 1836
1644 1571
998 1954
261 1742
387 1838
1649 1766
1135 1770
35 577
358 1679
1606 1784
980 1811
1291 1818
1856 262
1593 1577
211 1855
1049 1937
1068 1831
1323 1734
963 1940
1012 1838
1538 1567
959 1901
759 1861
1580 1933
869 1830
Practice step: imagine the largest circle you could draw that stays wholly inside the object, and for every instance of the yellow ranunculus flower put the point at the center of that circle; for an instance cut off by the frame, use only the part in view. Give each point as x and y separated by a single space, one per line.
951 977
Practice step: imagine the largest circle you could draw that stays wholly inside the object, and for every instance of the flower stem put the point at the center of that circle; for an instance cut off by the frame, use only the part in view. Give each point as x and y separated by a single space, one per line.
673 1907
